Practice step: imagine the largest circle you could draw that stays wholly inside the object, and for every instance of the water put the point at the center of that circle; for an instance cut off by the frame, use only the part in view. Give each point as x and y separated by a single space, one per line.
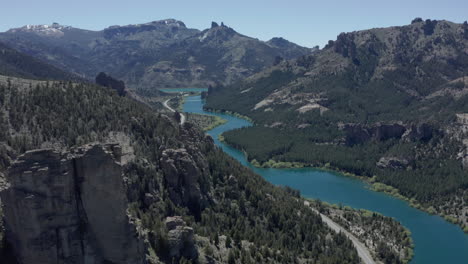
436 240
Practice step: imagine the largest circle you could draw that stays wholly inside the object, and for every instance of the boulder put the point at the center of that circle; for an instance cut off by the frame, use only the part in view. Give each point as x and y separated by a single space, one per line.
392 163
174 221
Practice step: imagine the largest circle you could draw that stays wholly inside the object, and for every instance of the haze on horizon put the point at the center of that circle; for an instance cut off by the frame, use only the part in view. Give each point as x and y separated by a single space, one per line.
307 23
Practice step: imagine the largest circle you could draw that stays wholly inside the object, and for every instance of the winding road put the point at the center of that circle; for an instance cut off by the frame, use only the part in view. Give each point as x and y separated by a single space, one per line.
182 116
362 250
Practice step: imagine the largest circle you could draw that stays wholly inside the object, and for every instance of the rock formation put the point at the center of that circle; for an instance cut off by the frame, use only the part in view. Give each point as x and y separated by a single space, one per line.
392 163
70 208
182 171
358 133
181 242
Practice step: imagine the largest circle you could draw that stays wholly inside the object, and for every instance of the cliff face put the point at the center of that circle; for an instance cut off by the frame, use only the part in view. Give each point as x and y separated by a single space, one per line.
70 208
359 133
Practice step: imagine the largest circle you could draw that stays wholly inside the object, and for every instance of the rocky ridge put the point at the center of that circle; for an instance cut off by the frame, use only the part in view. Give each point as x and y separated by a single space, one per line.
164 53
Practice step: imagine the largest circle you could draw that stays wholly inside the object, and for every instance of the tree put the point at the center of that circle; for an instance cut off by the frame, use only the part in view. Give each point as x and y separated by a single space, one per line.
231 257
107 81
228 242
177 116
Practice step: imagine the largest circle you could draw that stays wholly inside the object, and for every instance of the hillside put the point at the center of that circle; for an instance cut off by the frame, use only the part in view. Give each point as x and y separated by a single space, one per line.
187 199
387 103
17 64
161 53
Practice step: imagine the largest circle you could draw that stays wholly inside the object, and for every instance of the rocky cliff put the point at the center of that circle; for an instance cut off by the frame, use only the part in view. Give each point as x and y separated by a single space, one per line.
70 207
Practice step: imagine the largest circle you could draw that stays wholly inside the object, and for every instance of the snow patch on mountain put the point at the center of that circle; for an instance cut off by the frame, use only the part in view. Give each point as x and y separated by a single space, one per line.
54 30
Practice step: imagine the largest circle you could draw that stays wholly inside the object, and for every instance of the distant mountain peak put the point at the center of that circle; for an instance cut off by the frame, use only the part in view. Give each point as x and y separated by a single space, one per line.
54 30
165 24
219 32
168 22
215 25
279 41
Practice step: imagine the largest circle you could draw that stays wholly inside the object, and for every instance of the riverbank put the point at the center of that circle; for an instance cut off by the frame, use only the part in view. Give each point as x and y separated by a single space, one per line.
373 184
384 237
205 122
230 113
436 240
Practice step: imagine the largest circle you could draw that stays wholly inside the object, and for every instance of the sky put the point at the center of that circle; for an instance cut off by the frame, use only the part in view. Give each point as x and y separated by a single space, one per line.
307 23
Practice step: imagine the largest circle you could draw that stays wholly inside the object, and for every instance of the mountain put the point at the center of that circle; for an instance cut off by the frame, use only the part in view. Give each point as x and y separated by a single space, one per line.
162 53
97 177
291 50
387 103
17 64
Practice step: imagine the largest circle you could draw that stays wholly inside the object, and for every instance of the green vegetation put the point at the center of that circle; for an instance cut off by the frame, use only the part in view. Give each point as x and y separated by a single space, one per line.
237 203
274 147
177 103
17 64
389 241
366 82
205 122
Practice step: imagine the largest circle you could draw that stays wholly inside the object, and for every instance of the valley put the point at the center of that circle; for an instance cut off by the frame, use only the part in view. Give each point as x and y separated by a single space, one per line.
386 104
111 150
435 239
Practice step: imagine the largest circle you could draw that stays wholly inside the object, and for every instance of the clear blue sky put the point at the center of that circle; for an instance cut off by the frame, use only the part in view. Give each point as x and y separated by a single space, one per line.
305 22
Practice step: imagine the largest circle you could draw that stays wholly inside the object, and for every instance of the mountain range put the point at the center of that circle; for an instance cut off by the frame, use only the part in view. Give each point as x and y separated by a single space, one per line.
161 53
386 103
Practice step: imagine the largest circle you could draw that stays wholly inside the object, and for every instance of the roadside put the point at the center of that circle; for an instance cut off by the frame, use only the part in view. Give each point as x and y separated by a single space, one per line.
363 251
182 116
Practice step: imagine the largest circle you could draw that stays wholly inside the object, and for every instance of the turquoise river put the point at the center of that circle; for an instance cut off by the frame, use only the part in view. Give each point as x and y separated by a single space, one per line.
436 240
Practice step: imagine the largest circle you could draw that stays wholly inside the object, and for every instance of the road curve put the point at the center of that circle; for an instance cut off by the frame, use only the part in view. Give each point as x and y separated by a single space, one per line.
362 250
182 116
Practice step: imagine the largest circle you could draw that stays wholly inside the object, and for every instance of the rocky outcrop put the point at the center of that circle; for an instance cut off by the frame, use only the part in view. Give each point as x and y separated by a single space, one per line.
182 173
422 132
109 82
392 163
355 134
181 239
70 208
460 132
384 132
358 133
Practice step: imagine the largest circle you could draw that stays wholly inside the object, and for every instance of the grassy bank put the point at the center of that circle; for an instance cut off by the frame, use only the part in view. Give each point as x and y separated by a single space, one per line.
230 113
205 122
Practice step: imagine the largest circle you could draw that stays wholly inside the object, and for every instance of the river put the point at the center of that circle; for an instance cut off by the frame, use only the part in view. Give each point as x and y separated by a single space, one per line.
436 240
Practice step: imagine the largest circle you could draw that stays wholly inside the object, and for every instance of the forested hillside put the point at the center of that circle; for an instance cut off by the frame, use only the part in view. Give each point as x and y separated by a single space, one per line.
236 215
17 64
389 104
